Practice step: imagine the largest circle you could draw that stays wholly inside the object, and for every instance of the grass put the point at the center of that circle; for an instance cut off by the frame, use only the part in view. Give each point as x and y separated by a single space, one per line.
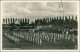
7 44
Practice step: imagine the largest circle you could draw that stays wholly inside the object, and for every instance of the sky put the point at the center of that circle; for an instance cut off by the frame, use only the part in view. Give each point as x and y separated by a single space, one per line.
33 10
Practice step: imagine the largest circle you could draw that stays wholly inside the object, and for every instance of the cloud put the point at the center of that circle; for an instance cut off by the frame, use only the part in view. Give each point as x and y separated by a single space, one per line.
39 9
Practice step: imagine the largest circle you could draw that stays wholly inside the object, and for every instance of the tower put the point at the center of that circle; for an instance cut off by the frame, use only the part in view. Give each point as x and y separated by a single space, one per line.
62 14
61 9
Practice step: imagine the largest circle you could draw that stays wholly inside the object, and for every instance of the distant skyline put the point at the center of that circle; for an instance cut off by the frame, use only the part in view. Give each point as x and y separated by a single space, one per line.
33 10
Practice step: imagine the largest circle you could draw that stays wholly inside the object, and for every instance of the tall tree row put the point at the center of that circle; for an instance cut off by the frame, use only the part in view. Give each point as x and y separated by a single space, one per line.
64 21
9 21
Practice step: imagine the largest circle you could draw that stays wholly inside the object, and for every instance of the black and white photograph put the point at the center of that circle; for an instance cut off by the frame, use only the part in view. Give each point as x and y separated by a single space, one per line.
40 25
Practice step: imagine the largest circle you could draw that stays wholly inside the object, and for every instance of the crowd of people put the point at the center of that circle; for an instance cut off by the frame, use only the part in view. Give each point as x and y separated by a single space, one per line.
39 38
12 38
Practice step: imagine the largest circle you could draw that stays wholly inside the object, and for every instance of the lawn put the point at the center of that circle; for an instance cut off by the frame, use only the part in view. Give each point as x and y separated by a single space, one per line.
7 44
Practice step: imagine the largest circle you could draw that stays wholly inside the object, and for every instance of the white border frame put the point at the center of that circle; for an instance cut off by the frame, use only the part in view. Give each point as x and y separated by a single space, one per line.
66 50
